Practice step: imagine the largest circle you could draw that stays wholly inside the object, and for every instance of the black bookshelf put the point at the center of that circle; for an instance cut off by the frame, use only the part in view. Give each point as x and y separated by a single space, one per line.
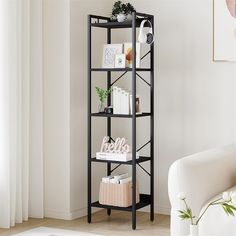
145 199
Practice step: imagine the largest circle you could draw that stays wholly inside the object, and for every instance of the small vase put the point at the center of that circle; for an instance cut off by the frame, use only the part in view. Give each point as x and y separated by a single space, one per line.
193 230
101 107
121 17
129 17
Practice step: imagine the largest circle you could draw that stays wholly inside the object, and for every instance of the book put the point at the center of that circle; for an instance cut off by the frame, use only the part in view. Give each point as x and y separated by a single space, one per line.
115 100
123 157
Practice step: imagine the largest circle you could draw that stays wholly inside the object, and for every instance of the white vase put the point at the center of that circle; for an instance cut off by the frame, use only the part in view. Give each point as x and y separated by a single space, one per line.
129 17
193 230
121 17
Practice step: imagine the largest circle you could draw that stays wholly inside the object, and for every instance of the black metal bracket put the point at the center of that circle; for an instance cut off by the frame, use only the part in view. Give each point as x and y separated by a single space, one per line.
127 72
143 79
144 169
144 145
115 168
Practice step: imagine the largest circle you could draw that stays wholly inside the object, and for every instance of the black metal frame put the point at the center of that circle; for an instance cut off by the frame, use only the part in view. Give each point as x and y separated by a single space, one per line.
145 199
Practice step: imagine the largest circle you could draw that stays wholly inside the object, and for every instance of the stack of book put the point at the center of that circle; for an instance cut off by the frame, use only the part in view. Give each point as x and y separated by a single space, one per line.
115 156
122 101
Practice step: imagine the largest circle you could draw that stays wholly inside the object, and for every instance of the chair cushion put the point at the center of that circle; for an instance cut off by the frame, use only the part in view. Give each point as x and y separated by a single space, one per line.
216 222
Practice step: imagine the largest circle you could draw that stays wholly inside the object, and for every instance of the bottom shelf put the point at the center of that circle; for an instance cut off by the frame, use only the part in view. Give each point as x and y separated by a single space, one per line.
145 200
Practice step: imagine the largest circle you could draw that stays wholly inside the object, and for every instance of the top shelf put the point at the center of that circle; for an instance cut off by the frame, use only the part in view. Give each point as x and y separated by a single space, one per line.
117 25
107 23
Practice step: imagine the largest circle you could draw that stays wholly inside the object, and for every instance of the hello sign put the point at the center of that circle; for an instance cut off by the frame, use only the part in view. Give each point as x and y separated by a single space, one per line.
119 146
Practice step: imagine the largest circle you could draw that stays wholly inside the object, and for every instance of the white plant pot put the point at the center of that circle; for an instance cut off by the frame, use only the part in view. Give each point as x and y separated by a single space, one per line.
193 230
121 17
129 17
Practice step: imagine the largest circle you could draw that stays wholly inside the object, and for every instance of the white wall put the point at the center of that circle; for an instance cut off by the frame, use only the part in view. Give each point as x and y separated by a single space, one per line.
57 108
79 11
195 101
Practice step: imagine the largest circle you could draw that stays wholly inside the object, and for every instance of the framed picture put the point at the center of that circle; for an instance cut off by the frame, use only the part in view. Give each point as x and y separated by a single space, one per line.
128 54
120 61
225 30
109 52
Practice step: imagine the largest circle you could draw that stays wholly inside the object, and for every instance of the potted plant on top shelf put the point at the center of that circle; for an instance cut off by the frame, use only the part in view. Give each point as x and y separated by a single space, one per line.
122 11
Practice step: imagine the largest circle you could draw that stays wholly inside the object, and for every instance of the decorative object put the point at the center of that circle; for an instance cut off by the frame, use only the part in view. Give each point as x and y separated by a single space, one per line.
109 53
227 202
128 54
46 231
120 61
121 17
225 30
102 94
119 146
108 110
117 151
122 11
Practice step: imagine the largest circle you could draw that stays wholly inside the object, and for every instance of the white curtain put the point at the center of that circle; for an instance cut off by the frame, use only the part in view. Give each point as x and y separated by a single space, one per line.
21 145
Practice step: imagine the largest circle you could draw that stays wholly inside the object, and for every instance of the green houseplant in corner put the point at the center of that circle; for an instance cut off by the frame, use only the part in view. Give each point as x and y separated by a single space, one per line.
102 94
227 202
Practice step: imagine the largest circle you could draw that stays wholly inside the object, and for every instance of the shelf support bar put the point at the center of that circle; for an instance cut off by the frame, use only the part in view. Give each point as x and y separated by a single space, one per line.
143 79
115 168
144 169
144 145
118 78
145 55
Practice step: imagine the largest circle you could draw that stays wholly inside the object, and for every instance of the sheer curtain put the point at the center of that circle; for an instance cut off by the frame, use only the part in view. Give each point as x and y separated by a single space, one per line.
21 150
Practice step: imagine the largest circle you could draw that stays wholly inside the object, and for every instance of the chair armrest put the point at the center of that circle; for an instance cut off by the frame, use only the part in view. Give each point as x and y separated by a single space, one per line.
201 176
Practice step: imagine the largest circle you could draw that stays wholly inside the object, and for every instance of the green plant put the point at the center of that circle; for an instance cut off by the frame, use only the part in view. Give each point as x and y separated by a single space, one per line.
120 7
129 8
227 202
103 94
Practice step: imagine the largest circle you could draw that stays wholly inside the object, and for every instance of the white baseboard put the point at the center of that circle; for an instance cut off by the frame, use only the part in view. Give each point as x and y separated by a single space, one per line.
68 215
163 210
83 212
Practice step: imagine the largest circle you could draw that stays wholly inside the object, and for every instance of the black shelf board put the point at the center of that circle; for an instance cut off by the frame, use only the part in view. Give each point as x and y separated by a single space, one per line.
141 159
120 69
120 115
117 25
145 200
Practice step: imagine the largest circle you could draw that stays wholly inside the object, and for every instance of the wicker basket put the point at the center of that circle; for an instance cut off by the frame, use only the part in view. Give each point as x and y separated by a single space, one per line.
117 194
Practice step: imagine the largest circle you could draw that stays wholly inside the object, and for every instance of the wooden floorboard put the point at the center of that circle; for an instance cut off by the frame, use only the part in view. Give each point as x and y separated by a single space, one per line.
119 223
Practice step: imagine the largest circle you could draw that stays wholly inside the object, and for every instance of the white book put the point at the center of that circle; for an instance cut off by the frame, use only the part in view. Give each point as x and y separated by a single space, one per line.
118 100
115 156
130 104
126 103
115 111
127 180
122 102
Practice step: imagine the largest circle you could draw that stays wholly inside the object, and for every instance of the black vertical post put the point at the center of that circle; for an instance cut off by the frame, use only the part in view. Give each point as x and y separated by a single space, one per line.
134 120
89 119
108 104
152 127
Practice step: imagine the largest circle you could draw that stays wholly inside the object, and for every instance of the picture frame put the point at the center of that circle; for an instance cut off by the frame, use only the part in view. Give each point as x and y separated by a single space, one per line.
120 60
224 32
109 52
128 54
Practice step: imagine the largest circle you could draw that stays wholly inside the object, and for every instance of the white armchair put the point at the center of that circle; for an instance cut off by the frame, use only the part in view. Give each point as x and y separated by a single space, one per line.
202 176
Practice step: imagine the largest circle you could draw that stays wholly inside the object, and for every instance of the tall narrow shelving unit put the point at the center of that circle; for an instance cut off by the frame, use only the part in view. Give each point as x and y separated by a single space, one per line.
145 199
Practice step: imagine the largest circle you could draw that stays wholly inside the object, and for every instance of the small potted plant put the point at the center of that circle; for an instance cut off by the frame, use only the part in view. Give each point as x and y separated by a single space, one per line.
129 9
121 11
227 202
102 94
118 11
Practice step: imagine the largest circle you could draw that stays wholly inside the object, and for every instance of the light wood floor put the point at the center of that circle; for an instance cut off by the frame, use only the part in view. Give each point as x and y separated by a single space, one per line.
119 223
